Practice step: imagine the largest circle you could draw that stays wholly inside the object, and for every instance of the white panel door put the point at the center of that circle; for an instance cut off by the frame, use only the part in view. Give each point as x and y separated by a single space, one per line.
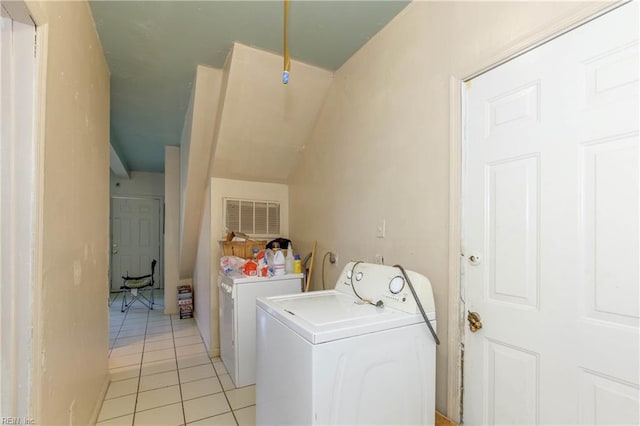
135 238
550 212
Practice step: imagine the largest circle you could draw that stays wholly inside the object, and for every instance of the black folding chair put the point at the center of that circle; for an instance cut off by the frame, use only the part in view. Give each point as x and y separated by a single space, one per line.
135 286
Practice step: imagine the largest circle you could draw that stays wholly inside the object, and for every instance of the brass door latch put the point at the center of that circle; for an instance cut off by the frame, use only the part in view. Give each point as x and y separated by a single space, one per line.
474 321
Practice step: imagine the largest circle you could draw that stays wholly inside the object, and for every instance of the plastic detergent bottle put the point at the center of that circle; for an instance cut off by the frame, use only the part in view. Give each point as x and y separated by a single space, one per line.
297 265
278 261
289 261
268 257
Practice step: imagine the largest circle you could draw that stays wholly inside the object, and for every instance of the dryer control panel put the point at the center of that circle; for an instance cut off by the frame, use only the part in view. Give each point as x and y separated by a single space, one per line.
387 284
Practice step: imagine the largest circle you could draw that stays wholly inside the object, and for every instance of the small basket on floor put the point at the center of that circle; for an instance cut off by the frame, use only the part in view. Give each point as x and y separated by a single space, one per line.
135 286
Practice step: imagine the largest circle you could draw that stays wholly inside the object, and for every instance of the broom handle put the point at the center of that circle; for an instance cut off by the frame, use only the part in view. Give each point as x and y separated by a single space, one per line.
313 255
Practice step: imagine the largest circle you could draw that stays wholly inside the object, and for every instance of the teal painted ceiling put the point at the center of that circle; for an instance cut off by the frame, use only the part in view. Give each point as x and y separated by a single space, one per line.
153 47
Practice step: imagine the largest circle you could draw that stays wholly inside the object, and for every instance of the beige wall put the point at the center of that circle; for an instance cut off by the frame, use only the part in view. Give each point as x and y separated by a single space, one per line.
202 283
380 148
264 123
195 152
138 184
231 188
71 332
171 227
220 189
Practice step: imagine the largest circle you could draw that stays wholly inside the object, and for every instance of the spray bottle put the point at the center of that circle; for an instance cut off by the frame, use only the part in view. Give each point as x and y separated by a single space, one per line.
278 260
289 260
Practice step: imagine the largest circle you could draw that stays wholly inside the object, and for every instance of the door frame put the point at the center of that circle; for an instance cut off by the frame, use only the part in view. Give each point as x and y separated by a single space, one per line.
160 270
456 306
28 164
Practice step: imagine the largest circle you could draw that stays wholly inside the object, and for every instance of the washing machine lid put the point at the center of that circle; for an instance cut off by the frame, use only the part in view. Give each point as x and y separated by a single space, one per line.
324 316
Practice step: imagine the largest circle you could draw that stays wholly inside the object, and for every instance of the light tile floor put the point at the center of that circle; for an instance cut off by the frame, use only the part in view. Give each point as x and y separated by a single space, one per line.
161 374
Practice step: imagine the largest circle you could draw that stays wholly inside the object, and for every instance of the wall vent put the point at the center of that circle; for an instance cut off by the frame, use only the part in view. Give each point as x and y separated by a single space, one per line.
255 217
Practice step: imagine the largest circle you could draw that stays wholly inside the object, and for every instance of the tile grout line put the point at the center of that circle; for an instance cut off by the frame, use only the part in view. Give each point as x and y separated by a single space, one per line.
109 356
139 370
119 329
175 352
224 391
144 342
217 376
111 301
211 361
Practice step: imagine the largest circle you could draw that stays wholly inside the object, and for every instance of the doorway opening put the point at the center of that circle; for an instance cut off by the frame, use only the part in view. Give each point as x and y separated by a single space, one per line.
136 240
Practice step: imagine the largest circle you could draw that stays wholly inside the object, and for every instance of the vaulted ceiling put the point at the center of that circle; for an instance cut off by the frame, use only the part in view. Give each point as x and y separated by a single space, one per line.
153 47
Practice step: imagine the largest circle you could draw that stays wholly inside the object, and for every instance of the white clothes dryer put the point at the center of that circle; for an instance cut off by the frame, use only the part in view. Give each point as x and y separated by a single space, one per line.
361 354
237 318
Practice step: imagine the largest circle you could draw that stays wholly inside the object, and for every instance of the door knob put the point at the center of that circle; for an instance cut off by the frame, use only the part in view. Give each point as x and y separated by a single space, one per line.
474 321
475 259
114 250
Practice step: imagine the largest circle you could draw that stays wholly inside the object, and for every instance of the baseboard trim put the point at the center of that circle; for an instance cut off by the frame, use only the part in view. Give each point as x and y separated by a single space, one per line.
444 421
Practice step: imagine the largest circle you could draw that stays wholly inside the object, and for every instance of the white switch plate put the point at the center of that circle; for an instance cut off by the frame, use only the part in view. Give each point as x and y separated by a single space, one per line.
381 228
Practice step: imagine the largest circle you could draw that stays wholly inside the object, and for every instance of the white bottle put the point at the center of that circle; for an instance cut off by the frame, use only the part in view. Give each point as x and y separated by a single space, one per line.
289 260
278 262
268 260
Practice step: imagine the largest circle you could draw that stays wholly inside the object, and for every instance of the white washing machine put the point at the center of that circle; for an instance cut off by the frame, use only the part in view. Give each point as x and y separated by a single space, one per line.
326 357
237 315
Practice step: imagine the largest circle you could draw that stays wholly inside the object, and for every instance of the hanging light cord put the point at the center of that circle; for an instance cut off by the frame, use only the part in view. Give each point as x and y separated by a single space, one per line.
287 59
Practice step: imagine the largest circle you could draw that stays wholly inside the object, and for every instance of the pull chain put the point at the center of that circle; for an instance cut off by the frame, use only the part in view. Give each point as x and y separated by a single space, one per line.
287 59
